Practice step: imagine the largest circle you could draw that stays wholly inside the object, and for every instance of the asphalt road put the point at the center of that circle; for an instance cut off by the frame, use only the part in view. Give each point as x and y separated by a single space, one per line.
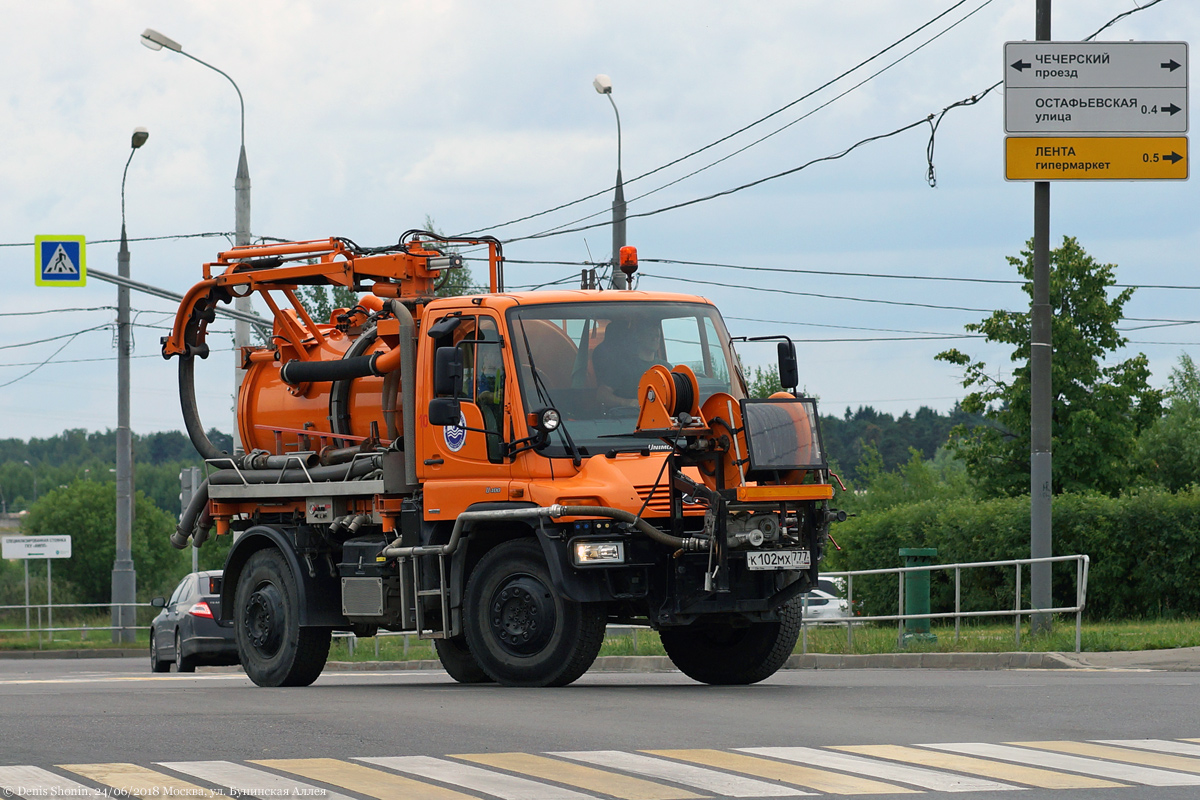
106 711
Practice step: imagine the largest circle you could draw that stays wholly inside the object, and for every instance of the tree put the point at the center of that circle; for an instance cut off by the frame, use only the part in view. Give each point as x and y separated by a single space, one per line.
1169 451
454 282
87 511
1098 410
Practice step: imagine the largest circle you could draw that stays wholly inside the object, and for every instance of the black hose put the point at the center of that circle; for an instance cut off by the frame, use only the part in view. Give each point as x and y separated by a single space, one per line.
189 517
296 371
337 472
639 523
202 313
339 393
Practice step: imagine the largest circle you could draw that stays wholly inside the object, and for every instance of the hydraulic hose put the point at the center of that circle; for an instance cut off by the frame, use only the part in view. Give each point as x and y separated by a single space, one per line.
296 371
197 508
688 544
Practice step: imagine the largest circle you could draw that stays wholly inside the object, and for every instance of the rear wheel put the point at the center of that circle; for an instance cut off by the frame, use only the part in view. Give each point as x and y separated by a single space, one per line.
157 664
519 630
723 654
182 664
458 662
273 648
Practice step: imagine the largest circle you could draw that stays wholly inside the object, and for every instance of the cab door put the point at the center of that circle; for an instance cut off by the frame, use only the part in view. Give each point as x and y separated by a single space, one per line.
464 464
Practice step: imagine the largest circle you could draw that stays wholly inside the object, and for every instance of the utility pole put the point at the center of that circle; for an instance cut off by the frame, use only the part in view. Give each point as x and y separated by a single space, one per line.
124 577
603 85
1041 399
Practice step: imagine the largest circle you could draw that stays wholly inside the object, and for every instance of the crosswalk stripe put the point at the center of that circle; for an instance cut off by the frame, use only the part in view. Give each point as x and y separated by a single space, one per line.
476 779
24 781
1088 766
364 780
581 777
243 780
139 781
1157 745
708 780
1032 776
821 780
925 778
1181 763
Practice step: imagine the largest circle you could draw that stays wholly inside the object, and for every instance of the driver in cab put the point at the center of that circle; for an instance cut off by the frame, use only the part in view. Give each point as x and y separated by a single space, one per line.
630 347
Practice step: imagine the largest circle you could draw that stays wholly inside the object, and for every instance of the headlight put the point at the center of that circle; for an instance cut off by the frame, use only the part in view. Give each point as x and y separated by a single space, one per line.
598 552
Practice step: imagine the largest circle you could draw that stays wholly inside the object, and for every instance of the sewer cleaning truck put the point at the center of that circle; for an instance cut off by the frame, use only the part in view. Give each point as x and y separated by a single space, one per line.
505 473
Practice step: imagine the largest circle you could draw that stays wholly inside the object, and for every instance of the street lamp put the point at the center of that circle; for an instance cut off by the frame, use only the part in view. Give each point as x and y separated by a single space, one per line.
603 85
241 209
34 470
124 577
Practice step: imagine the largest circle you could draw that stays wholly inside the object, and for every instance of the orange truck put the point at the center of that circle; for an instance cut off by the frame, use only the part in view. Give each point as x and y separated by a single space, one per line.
504 473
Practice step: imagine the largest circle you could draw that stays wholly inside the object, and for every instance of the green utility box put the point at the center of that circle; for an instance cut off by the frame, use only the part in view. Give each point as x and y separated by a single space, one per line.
916 593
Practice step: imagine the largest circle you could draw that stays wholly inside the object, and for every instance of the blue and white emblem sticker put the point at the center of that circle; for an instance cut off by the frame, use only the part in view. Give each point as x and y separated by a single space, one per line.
456 435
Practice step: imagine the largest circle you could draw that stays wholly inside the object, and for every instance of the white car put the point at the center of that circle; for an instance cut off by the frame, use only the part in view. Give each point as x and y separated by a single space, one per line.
823 604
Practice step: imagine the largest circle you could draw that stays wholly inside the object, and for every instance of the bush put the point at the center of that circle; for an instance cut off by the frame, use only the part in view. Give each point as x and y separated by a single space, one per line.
1143 547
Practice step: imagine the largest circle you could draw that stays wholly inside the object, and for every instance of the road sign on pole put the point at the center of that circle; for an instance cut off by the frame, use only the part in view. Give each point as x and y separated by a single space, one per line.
1082 158
1096 110
36 547
60 260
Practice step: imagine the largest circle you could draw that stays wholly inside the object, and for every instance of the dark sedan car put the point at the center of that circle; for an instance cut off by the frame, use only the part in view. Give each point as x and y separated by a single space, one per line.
186 632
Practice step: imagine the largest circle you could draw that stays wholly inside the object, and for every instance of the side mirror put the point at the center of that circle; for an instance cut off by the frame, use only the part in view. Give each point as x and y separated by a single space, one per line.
447 371
444 411
159 602
789 371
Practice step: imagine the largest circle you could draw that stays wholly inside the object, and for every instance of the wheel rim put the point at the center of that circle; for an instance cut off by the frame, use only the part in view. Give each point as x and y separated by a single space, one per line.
178 650
521 615
263 620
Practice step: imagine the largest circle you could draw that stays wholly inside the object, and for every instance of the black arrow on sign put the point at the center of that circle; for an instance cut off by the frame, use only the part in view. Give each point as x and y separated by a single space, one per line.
1020 66
1174 158
1171 65
1172 109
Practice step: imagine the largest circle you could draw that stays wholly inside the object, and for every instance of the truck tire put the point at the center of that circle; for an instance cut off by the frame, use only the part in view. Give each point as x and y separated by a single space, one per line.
520 631
273 648
725 655
458 662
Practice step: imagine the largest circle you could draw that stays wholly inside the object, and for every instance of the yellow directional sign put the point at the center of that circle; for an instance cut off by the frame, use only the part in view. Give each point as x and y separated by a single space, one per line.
1098 158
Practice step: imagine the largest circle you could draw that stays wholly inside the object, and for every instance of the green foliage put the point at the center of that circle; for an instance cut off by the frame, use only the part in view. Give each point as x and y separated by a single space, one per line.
1098 410
917 480
1169 451
321 301
454 282
765 382
1142 545
86 511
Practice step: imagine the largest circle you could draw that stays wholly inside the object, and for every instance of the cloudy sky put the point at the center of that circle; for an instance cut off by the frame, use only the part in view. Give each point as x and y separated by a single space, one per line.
364 117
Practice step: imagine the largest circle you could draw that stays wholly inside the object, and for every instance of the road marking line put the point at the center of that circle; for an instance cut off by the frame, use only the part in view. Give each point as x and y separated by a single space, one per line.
708 780
242 780
1031 776
1181 763
830 782
581 777
22 781
111 679
476 779
363 780
139 781
925 778
1088 766
1157 745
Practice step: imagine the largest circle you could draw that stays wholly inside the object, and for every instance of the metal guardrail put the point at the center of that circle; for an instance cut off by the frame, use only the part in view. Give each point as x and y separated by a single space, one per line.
1082 563
49 629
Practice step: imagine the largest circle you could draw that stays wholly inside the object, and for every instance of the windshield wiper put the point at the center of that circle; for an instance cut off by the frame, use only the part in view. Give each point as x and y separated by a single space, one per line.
543 393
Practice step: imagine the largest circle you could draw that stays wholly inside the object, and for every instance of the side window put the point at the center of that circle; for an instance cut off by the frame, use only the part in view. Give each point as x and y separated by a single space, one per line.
489 387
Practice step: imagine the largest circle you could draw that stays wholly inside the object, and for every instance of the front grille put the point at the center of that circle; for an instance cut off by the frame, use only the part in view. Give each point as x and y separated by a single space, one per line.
660 504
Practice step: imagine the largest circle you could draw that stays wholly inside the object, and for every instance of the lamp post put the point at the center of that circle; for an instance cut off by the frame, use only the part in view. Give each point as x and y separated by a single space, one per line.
603 85
241 209
124 577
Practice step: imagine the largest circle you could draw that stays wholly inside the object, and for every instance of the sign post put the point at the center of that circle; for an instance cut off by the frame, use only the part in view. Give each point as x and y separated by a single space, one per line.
1080 111
27 547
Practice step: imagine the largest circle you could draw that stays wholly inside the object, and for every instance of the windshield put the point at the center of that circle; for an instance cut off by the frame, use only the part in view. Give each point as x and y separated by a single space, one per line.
589 358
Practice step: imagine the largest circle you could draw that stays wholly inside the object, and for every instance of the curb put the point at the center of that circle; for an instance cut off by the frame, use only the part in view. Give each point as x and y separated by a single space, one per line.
17 655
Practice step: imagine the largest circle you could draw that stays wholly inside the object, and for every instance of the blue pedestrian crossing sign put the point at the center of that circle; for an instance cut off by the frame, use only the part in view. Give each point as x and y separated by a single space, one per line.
60 260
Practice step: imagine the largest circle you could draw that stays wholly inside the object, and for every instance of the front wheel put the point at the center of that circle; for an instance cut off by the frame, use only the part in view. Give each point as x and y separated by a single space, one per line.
156 663
522 632
727 655
273 648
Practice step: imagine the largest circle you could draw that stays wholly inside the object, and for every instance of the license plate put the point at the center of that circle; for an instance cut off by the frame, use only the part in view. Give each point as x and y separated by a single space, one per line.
778 559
